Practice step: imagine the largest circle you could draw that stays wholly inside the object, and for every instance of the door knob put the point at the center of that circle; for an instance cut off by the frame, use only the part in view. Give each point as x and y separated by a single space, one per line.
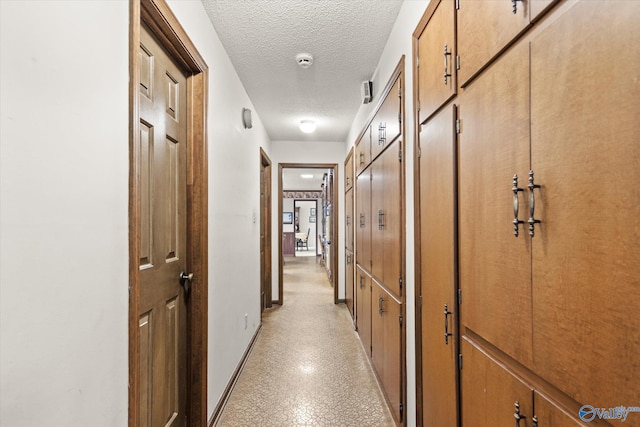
185 281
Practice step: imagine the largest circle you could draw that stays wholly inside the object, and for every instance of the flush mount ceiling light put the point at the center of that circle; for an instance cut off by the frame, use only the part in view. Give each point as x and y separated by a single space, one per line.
307 126
306 176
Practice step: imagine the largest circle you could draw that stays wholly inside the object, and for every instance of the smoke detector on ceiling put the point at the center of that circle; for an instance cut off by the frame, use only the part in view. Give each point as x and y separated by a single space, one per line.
304 60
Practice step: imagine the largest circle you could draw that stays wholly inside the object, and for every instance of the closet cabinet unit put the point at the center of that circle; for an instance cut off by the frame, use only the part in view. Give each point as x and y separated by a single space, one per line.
363 220
363 151
385 126
485 28
435 42
386 210
363 308
349 234
437 260
549 242
386 344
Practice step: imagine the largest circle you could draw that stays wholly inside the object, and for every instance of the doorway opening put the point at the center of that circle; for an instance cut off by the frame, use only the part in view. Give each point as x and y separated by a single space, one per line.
299 184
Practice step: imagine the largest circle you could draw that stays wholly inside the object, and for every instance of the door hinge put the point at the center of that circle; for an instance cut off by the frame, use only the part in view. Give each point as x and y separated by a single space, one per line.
400 319
458 126
457 4
459 296
457 62
460 361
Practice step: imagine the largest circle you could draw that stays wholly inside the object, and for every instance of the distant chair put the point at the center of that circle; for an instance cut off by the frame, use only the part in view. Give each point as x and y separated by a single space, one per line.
321 241
304 241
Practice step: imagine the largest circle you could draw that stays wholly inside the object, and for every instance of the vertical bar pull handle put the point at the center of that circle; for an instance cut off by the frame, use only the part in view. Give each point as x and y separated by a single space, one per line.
535 421
516 205
516 413
380 219
361 220
447 54
361 157
380 308
447 334
532 206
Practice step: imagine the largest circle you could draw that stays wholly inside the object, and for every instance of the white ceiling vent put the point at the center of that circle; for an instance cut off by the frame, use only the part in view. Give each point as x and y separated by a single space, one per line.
304 60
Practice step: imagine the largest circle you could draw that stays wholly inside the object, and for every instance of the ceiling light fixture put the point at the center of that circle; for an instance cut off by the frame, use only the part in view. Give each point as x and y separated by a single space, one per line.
307 126
306 176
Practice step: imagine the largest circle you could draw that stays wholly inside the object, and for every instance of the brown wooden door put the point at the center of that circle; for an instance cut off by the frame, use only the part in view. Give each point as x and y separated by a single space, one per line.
265 231
495 266
386 344
490 392
585 152
363 218
484 29
163 237
391 220
438 281
436 48
385 126
363 151
363 308
348 282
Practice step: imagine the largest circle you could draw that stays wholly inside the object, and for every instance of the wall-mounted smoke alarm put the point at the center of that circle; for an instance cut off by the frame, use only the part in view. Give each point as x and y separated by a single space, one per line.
366 91
304 60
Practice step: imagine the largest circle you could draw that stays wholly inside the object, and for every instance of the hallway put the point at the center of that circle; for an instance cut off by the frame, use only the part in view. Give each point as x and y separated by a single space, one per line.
308 367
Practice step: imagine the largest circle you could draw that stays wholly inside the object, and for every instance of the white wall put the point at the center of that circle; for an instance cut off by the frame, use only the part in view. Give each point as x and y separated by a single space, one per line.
64 165
234 204
398 44
309 152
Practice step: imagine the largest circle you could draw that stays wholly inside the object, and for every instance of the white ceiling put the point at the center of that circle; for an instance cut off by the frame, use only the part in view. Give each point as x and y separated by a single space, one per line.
345 37
291 179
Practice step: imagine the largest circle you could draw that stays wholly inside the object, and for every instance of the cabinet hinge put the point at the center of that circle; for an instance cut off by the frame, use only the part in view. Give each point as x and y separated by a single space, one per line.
401 411
419 152
457 125
457 62
418 105
400 281
457 4
460 361
400 91
400 320
459 296
417 62
400 155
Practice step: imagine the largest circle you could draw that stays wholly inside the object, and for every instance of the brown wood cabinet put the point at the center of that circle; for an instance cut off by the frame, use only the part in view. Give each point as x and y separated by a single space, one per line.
436 43
379 242
349 282
363 308
348 172
547 160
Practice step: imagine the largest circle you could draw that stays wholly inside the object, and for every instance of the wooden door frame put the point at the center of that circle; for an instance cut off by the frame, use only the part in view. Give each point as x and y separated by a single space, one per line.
163 24
265 262
334 235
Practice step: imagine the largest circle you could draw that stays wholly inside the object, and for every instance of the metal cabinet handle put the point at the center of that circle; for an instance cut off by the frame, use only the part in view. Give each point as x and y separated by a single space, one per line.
514 3
516 206
361 220
380 301
361 157
380 219
348 220
382 133
516 413
361 282
532 205
446 324
535 421
446 64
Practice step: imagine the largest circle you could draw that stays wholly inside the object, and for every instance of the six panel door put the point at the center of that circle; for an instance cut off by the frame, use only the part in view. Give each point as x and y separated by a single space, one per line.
162 183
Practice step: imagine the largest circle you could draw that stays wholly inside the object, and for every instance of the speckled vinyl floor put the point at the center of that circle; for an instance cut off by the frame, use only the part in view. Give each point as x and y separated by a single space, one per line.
307 367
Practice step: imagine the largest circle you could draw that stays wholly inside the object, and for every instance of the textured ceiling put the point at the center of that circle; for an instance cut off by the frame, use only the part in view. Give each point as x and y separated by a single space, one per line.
345 37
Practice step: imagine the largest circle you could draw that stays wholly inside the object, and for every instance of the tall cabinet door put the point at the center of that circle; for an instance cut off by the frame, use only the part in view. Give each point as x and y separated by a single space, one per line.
363 218
349 220
588 170
438 269
377 212
386 344
494 264
363 308
436 46
385 127
349 282
391 219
